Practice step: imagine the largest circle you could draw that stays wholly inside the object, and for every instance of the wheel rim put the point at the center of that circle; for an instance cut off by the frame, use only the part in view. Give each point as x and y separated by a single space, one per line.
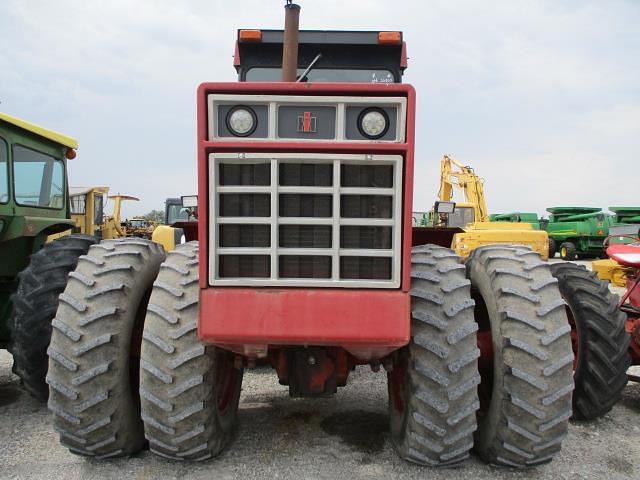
563 252
226 381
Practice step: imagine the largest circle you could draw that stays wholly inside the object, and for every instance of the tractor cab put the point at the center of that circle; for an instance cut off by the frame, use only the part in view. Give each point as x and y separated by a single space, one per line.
87 209
462 216
33 190
323 56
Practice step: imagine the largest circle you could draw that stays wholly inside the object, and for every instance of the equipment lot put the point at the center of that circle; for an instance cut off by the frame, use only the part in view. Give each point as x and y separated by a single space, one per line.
280 437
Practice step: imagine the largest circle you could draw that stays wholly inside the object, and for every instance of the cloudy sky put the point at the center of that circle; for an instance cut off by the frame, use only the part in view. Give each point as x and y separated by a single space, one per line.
541 97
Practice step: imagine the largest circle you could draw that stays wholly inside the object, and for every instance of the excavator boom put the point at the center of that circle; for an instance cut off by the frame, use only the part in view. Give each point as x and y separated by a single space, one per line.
453 174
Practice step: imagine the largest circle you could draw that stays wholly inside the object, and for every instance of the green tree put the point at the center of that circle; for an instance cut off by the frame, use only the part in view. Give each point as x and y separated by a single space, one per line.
154 216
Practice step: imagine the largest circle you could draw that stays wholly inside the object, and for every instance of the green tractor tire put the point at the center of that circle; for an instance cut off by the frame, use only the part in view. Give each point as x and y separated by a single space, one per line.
34 307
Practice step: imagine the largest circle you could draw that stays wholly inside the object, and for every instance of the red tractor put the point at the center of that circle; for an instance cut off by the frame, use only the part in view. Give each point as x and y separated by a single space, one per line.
629 256
305 259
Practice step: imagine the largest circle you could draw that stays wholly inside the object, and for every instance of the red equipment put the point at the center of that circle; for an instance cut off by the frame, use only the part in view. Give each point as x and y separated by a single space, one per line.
629 256
366 324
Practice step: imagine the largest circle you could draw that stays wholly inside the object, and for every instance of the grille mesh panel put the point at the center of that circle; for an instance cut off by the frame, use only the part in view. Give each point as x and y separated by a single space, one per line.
378 268
306 219
365 237
244 266
365 206
303 205
244 205
245 174
304 266
310 175
375 176
305 236
244 236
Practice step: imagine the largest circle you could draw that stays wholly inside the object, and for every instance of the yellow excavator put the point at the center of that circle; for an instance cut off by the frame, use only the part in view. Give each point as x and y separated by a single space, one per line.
472 215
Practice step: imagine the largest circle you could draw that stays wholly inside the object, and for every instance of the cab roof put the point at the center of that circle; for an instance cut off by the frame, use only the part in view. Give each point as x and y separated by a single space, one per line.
73 191
56 137
339 48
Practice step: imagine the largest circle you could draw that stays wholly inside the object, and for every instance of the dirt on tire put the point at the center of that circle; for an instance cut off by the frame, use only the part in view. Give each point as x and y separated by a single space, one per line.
433 387
189 391
34 306
93 356
526 410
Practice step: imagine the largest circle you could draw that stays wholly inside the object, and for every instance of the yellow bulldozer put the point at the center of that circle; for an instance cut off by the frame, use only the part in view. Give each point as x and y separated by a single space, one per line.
472 215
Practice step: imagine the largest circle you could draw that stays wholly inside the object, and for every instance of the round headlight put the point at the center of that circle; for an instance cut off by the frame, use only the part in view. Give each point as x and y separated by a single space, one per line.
373 123
241 121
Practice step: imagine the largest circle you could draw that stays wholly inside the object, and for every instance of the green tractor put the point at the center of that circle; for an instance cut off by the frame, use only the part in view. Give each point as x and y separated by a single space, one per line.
577 232
34 205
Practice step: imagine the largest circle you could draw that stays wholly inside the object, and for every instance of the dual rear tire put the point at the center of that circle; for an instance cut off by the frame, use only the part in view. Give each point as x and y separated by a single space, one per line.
518 416
127 311
125 361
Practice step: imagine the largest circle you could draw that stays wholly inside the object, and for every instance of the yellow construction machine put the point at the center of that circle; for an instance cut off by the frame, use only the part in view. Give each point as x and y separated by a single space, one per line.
180 217
87 211
472 215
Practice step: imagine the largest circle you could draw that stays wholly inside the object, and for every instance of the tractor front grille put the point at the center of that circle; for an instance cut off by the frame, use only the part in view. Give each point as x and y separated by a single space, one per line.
324 220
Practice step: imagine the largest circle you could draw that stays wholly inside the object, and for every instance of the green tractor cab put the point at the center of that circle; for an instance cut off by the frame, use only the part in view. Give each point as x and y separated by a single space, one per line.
577 232
34 204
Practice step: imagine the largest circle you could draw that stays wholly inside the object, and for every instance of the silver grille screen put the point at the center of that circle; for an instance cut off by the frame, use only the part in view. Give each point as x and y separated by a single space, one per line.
324 220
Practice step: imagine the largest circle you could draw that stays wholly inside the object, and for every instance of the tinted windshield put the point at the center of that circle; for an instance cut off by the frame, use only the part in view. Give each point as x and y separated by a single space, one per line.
176 212
272 74
4 174
38 179
461 217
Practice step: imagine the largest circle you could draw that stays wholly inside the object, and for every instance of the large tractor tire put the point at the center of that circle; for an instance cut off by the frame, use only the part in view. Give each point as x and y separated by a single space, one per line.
568 251
433 385
95 347
189 392
34 305
526 363
600 342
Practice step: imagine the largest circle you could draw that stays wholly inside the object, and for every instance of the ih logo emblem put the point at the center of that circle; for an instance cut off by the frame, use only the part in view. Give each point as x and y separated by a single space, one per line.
307 123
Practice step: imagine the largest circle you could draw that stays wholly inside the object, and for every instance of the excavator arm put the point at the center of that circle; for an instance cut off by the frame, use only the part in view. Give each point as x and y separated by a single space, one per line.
455 175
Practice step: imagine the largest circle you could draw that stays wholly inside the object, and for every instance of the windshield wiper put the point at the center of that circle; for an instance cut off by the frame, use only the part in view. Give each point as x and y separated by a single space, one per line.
309 68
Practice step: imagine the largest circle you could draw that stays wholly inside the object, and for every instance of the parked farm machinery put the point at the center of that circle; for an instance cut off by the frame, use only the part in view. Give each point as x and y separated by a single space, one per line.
624 230
577 232
465 226
34 205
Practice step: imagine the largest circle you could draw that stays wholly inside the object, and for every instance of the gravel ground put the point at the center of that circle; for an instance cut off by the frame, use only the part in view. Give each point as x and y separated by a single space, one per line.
279 437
